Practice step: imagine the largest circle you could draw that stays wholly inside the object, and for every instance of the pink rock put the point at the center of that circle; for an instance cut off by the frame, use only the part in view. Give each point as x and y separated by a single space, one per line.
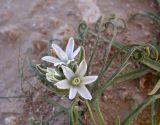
89 10
11 32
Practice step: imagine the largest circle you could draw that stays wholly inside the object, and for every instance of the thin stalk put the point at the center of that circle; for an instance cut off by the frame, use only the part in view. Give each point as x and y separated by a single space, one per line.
108 40
118 71
103 67
95 46
146 61
131 75
109 63
90 112
71 116
76 116
91 57
99 113
153 113
110 45
140 108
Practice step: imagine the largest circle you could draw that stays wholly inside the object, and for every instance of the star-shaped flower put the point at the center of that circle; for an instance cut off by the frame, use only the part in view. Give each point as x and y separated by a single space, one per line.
63 56
76 81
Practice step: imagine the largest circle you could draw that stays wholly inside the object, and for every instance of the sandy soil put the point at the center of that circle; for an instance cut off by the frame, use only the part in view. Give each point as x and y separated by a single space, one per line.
26 27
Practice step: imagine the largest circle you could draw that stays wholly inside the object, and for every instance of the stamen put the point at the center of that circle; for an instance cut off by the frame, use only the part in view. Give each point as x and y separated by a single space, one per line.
76 81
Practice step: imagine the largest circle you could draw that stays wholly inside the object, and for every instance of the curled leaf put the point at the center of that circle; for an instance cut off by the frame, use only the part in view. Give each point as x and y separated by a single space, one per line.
41 69
155 89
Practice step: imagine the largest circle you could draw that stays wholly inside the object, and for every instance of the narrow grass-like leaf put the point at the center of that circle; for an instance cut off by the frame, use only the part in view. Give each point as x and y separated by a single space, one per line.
158 2
150 15
108 40
131 75
124 63
96 44
71 116
54 103
153 113
82 32
155 89
80 120
151 63
99 113
104 69
90 113
139 109
118 121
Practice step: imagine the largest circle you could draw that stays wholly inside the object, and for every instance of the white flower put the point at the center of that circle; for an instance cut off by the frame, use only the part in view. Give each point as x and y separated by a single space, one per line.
76 81
64 56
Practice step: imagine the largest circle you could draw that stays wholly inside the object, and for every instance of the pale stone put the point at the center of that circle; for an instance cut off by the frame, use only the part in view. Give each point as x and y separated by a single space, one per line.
11 32
64 32
89 10
12 106
39 42
11 120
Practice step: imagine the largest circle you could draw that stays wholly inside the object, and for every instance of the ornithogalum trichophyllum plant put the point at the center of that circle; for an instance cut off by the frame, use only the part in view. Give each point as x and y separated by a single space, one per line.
72 79
69 73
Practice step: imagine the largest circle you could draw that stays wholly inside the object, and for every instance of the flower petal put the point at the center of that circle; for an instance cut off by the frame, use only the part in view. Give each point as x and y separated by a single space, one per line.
88 79
67 72
72 92
60 53
82 68
63 84
70 48
75 52
51 59
83 91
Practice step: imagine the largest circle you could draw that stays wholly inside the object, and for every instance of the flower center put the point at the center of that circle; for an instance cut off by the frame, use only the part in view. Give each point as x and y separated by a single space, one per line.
76 81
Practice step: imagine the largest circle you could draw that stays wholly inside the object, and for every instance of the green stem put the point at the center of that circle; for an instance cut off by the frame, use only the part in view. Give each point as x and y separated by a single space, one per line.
108 40
99 113
91 57
95 45
76 115
140 108
104 66
149 62
123 65
153 113
90 112
71 116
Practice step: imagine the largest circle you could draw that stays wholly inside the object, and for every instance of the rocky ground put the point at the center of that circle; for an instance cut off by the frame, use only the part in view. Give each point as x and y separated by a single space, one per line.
26 26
